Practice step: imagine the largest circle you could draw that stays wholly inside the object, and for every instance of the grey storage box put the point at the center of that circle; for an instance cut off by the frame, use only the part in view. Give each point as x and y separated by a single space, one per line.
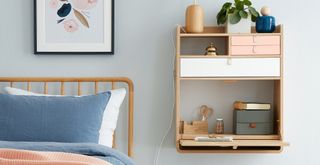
253 122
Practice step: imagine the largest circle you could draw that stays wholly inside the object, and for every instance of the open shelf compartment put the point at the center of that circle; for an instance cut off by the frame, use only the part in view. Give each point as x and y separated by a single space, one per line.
189 48
220 95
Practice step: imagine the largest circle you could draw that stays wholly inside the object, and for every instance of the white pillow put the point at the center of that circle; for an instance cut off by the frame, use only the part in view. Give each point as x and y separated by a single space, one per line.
110 116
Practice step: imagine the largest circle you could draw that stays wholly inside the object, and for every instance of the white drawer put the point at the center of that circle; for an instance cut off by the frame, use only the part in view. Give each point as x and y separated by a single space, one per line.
226 67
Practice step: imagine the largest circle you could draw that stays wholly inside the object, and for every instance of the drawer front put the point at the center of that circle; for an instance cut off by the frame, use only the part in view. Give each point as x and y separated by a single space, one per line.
255 40
253 128
255 50
253 116
235 67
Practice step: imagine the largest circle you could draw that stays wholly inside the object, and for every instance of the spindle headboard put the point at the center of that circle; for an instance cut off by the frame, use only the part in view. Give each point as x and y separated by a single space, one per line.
79 81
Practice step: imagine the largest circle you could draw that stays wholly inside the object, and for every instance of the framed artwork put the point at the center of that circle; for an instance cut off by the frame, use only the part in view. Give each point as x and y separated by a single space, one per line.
74 26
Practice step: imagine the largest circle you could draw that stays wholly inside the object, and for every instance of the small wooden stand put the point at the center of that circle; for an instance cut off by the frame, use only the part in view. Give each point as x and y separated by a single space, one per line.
196 127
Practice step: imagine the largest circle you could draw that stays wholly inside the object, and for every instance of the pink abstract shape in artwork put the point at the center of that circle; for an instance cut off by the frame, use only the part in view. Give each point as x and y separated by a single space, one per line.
84 4
54 4
71 25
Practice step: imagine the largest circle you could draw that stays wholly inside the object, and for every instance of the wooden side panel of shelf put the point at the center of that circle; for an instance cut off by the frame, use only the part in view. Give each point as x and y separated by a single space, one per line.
177 86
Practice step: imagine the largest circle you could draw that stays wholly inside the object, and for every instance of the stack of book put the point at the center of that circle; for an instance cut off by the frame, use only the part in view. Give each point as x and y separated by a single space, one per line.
247 106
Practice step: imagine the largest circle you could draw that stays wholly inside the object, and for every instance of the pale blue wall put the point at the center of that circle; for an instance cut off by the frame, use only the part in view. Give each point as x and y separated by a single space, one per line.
145 54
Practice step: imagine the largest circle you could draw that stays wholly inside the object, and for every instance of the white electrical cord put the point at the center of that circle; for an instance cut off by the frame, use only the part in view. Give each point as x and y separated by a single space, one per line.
172 112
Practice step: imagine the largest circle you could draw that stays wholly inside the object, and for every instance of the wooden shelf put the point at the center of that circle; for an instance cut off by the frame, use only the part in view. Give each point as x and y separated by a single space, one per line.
229 78
235 143
204 35
228 56
203 56
217 31
235 137
200 35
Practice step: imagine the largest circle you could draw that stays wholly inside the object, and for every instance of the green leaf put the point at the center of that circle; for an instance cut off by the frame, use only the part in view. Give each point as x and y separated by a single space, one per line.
227 5
231 11
240 5
253 11
222 16
247 2
221 12
243 14
254 18
223 19
235 17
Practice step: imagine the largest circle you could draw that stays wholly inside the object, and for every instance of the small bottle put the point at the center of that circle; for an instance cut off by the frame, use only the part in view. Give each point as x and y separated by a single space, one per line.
219 126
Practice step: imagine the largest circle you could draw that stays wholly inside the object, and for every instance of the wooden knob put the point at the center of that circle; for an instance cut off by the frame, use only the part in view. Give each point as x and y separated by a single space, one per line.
253 125
265 11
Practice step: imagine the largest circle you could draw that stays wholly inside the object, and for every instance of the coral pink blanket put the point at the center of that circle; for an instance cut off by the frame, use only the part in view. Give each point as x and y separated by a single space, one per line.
23 157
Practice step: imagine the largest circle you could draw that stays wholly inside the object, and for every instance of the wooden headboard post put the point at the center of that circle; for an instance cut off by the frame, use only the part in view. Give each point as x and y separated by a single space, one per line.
79 80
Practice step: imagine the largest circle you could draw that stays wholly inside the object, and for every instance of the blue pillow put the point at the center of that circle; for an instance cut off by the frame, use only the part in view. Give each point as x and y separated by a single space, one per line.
52 119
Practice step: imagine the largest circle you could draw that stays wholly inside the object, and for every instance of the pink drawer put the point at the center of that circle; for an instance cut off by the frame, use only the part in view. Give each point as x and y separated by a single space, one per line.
255 40
255 50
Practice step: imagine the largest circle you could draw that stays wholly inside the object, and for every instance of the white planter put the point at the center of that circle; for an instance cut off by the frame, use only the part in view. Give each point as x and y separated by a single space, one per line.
244 26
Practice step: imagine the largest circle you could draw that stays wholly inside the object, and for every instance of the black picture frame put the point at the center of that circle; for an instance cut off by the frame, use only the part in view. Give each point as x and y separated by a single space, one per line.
111 52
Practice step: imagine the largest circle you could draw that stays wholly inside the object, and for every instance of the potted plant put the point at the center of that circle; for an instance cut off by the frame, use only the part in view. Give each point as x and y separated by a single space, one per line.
237 16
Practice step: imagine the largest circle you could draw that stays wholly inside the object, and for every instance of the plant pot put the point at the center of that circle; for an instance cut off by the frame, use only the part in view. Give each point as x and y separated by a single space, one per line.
244 26
266 24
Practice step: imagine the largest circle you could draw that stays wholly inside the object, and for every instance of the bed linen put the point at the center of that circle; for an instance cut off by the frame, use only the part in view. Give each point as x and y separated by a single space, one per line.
90 149
25 157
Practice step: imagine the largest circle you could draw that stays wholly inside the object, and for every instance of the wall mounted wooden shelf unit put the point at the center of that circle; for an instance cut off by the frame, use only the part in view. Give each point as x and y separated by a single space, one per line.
248 66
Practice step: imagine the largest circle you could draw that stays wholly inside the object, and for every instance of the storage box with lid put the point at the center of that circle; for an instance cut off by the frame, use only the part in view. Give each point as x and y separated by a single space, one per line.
253 122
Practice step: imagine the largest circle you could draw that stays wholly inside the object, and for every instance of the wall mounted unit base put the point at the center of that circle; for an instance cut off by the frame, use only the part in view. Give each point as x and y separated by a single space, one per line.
237 146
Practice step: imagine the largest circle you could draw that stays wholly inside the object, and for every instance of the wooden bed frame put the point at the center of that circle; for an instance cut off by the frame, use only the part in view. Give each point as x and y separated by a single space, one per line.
79 81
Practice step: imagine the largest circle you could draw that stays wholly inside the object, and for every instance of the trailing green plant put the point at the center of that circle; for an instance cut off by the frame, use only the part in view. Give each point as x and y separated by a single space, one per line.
238 10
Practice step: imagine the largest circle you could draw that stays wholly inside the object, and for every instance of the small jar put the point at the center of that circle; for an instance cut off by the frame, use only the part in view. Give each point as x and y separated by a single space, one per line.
219 126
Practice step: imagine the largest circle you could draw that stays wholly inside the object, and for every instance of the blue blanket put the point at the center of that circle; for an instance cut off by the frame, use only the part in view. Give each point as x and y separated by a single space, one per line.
110 155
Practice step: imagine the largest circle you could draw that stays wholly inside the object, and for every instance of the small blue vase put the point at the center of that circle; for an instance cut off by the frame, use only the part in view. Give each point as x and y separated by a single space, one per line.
265 24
